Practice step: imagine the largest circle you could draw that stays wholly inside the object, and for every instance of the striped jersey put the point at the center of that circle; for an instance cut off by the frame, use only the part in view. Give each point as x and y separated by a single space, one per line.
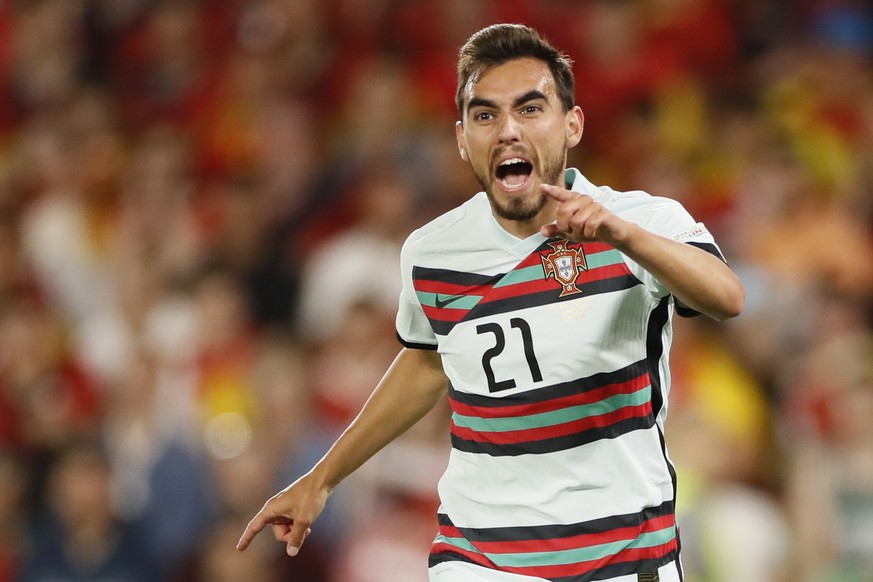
557 359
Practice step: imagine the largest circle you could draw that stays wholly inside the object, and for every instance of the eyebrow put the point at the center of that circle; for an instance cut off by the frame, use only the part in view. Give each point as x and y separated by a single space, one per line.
529 96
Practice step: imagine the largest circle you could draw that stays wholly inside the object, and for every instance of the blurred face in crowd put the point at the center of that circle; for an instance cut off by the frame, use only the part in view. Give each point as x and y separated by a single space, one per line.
515 135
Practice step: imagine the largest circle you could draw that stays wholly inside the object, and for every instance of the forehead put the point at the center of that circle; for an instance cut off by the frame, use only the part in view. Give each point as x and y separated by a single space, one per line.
506 81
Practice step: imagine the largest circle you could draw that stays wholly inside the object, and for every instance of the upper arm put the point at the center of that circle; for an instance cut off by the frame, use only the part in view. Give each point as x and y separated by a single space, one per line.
424 369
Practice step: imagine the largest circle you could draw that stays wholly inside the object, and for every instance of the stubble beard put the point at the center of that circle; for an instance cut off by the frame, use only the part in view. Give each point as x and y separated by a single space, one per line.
523 209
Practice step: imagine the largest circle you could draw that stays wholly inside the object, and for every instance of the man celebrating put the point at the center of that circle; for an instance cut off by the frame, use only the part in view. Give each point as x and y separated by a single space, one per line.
542 308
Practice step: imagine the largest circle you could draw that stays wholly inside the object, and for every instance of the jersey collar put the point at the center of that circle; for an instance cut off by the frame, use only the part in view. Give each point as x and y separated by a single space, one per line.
575 181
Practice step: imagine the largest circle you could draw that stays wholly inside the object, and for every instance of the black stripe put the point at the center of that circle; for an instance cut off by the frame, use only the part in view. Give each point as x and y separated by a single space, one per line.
659 318
414 345
554 391
558 531
528 300
554 444
441 327
439 557
606 572
622 569
708 247
453 277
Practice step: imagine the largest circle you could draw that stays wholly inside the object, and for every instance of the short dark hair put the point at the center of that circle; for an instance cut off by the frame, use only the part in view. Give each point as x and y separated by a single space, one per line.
499 43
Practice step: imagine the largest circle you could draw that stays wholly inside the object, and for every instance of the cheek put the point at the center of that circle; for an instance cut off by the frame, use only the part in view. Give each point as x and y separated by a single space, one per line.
476 153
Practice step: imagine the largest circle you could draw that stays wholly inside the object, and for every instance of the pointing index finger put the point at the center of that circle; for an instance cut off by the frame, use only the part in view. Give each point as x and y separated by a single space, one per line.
558 193
257 523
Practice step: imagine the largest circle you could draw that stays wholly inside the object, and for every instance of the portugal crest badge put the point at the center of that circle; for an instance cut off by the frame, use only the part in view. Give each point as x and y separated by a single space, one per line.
565 265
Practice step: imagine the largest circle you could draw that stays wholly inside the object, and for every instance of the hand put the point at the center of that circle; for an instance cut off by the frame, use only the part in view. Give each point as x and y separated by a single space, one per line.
580 219
290 513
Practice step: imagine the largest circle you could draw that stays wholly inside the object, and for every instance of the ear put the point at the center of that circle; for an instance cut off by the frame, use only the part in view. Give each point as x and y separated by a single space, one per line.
462 142
575 124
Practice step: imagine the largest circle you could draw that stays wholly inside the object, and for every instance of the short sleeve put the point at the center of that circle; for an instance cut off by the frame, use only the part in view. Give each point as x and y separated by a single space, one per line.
669 219
413 327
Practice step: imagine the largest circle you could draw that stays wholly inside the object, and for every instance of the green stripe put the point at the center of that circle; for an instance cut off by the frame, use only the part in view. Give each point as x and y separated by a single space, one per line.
544 419
535 272
532 273
603 259
574 556
525 275
462 543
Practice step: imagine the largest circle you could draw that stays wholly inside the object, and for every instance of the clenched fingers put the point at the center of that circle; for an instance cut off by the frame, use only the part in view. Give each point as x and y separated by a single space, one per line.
580 218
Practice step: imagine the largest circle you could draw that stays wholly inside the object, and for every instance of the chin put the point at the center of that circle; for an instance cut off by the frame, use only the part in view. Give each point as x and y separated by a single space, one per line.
521 208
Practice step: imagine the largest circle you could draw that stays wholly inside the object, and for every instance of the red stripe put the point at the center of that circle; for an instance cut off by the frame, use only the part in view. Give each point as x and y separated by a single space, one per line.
573 542
544 284
558 430
579 568
587 397
587 248
592 248
450 531
445 313
547 284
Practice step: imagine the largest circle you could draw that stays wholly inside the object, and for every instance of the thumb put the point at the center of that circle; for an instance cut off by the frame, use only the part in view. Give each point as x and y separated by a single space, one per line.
296 536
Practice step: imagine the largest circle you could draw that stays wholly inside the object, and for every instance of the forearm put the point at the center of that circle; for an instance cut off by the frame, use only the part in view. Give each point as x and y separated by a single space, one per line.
411 387
697 278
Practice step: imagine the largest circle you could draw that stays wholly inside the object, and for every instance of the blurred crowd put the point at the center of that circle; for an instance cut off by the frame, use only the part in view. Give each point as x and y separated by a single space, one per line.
201 209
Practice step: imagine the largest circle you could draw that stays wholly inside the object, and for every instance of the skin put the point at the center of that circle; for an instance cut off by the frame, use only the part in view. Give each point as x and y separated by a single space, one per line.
512 111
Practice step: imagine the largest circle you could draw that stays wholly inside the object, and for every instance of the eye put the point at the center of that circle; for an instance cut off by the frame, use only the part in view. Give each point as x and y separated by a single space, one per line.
528 109
483 116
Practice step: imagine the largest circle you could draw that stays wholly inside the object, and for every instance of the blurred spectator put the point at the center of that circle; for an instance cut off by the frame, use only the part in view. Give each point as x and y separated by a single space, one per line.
14 480
361 264
81 537
46 398
160 476
828 398
722 440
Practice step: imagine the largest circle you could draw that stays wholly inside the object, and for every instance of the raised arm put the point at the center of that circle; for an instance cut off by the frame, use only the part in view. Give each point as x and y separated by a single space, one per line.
698 279
411 387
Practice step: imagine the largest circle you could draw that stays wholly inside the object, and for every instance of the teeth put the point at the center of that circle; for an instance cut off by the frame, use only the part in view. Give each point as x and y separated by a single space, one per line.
512 161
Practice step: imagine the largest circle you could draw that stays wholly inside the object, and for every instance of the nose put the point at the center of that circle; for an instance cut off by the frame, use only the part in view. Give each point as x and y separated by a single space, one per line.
508 130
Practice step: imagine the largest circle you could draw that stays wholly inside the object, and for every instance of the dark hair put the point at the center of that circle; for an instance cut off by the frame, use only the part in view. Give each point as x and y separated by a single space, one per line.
499 43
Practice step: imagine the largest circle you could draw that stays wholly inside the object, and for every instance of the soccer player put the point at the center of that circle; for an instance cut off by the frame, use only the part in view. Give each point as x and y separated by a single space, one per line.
542 308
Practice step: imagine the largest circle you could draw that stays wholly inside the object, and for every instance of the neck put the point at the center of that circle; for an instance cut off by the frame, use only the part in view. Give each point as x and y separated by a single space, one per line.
525 228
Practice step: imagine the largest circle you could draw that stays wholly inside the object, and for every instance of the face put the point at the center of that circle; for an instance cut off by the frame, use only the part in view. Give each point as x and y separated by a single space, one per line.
515 136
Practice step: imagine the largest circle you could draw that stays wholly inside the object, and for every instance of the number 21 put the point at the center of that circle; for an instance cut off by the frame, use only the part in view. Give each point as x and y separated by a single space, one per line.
523 327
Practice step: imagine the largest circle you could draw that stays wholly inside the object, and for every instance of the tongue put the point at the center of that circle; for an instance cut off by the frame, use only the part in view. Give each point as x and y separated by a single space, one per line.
514 179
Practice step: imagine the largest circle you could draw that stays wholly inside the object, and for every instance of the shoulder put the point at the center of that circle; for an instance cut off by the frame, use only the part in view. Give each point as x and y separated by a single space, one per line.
639 203
634 205
655 213
659 214
448 227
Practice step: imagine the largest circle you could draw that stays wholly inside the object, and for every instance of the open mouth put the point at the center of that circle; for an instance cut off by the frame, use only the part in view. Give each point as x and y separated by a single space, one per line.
514 173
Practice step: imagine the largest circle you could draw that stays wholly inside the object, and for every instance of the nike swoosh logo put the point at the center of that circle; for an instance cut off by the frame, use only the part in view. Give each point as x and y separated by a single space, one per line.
442 300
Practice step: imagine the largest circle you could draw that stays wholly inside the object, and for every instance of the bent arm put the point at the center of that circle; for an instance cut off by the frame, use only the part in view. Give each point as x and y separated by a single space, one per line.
410 388
697 278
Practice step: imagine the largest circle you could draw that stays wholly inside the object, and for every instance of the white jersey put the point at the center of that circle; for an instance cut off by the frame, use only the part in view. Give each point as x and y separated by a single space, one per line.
557 358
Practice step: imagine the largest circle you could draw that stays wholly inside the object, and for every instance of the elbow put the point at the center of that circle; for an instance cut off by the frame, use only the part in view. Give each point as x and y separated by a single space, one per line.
733 302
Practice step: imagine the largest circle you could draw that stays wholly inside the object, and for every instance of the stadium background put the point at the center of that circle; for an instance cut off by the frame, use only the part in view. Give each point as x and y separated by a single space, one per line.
201 206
